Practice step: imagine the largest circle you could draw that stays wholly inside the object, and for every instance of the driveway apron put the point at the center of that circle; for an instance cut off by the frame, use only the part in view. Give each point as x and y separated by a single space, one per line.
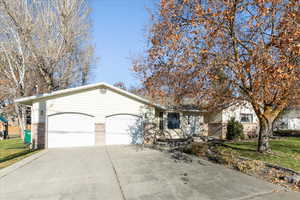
63 174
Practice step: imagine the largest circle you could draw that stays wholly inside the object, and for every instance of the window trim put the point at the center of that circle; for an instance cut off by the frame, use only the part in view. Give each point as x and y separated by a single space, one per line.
246 114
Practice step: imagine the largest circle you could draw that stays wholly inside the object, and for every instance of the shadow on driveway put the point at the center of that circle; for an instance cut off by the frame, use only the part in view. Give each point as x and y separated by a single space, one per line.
105 173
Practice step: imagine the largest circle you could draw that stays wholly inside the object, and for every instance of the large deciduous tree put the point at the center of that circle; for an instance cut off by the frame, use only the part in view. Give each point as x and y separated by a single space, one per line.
44 46
224 51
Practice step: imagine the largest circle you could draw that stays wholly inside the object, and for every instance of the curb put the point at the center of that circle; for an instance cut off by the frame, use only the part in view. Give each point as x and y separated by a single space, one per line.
7 170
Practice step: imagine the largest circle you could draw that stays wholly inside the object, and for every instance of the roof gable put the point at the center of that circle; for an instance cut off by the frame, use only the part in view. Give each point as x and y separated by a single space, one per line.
60 93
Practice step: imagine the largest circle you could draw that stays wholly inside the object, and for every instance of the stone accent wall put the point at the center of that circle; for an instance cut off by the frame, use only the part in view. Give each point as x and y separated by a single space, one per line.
250 129
100 134
151 132
38 134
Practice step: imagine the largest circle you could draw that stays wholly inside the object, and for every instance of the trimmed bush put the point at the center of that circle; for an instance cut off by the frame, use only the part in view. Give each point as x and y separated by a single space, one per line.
234 130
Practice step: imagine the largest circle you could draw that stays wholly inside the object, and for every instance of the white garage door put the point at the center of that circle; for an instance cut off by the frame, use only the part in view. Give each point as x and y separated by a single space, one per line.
123 129
70 130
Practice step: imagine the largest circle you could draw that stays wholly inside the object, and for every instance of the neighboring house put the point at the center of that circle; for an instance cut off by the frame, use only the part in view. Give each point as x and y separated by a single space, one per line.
289 120
14 130
3 127
101 114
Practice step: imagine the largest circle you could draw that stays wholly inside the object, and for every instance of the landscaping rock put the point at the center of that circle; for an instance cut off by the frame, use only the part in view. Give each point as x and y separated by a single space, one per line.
293 179
199 139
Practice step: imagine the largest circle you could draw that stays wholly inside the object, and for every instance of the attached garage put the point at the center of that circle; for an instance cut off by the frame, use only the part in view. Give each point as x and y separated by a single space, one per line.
70 130
123 129
97 114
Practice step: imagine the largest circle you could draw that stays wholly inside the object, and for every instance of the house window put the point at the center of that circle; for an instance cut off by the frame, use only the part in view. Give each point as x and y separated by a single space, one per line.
246 118
173 121
28 115
161 121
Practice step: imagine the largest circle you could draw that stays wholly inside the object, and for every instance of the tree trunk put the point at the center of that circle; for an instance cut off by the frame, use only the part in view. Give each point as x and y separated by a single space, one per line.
48 79
265 131
20 111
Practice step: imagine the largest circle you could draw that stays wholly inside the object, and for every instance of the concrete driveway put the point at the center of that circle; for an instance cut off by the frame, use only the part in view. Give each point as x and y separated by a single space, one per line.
125 173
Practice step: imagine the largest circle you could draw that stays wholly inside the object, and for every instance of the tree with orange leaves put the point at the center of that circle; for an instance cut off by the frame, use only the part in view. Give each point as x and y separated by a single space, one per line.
219 52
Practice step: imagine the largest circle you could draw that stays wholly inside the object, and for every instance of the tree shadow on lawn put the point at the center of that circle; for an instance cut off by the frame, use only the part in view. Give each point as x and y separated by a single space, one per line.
15 155
20 147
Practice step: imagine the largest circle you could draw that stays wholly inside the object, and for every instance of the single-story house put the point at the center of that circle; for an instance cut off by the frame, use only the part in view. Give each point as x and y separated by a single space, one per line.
288 120
13 129
96 114
101 114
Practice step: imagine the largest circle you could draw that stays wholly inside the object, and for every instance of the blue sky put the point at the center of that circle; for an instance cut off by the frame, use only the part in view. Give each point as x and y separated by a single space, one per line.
118 34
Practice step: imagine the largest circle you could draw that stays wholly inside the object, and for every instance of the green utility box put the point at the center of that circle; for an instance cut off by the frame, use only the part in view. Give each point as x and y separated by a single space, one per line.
27 136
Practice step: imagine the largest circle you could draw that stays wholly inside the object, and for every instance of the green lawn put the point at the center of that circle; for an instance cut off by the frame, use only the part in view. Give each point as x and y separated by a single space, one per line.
285 152
13 150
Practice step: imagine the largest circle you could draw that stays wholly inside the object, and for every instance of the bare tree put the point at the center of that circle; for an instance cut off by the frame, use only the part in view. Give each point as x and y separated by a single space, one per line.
44 46
219 52
120 85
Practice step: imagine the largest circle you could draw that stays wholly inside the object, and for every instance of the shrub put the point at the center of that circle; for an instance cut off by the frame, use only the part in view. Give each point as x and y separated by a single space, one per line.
234 130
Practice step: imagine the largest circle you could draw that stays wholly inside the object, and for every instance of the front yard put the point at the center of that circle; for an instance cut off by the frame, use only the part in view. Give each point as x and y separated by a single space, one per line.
13 150
280 166
285 152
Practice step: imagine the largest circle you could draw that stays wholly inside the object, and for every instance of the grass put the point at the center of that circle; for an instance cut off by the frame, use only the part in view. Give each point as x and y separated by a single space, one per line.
285 152
13 150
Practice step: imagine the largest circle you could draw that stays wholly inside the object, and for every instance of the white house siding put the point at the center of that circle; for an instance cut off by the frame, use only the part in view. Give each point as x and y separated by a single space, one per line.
89 102
186 129
235 111
250 129
288 120
294 124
